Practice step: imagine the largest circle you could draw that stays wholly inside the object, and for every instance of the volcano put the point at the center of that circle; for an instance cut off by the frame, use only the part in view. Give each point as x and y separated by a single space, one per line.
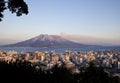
45 40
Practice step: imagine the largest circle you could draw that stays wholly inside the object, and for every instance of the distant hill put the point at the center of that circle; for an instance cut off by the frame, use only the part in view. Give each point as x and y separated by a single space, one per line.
45 40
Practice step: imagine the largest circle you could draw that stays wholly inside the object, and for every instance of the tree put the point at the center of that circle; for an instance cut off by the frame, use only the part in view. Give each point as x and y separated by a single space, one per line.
94 74
60 74
14 6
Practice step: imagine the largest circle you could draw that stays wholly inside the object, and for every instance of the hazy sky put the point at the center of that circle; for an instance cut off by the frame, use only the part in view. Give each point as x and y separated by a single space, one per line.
92 18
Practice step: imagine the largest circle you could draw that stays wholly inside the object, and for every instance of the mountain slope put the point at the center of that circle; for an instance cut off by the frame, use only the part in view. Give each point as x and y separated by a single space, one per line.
45 40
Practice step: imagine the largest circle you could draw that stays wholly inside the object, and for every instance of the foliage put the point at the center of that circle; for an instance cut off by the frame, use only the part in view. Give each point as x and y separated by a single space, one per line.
93 74
15 6
23 71
60 74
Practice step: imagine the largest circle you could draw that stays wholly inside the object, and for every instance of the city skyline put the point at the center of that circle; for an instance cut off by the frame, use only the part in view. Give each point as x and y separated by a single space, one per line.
97 22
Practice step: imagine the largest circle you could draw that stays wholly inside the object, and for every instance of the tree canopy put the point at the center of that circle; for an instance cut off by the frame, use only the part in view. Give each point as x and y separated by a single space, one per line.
23 71
14 6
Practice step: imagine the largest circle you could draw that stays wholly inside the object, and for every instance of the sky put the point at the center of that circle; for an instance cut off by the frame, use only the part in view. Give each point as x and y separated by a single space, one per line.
94 21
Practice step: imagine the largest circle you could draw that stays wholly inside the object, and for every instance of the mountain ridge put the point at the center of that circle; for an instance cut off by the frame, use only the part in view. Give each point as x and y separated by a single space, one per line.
45 40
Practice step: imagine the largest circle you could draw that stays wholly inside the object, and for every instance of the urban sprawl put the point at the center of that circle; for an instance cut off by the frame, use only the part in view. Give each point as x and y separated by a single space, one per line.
74 60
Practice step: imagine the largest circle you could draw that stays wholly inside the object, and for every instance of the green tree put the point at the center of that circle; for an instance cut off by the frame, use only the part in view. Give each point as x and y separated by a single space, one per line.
14 6
92 74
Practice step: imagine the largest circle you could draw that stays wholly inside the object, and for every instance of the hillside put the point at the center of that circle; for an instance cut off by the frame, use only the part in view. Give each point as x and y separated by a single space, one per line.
45 40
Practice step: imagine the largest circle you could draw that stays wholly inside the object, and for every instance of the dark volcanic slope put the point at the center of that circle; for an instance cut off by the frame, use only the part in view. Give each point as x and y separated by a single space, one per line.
47 41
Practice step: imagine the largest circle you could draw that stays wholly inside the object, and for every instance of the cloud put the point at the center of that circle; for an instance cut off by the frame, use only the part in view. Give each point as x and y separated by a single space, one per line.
90 40
5 41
